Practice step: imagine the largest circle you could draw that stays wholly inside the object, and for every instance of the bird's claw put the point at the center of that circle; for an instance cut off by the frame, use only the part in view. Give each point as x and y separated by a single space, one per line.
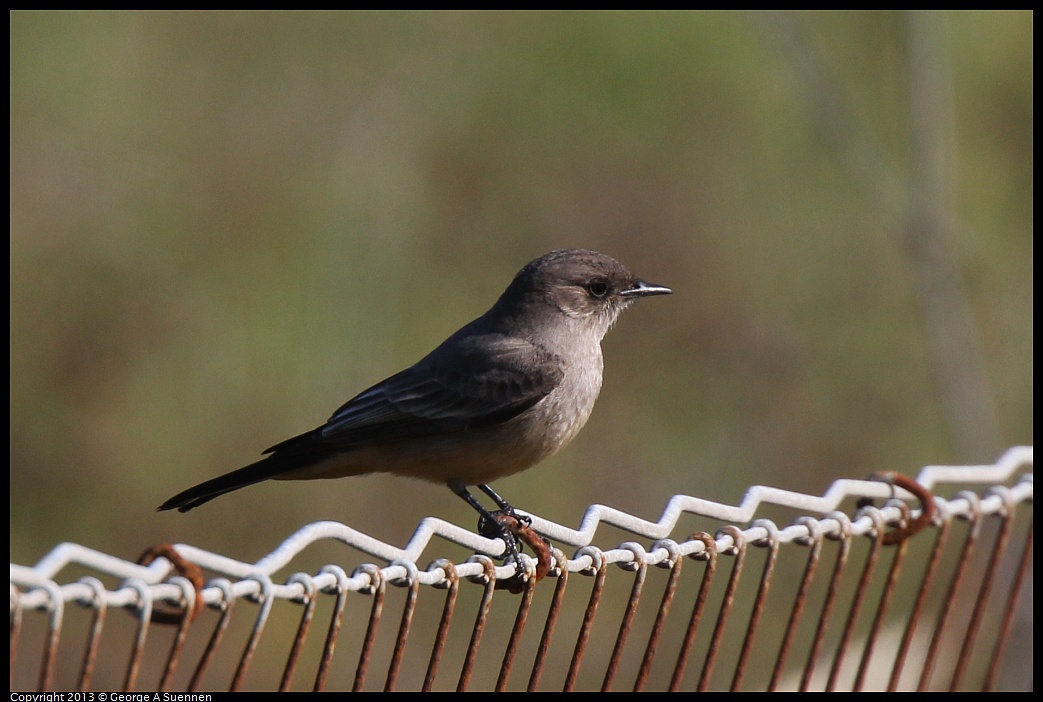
499 530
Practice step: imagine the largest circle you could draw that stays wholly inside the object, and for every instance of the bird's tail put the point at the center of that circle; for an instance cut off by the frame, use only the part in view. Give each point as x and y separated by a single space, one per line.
258 472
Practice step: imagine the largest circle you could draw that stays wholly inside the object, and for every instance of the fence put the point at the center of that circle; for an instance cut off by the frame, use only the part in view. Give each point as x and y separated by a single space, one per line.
877 584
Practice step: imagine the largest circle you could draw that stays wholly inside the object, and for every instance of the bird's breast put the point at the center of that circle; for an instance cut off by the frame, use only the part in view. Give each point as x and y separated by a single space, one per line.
555 421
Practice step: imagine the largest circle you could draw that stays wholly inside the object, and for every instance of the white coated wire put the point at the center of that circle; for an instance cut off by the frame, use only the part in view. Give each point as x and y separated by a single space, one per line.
38 588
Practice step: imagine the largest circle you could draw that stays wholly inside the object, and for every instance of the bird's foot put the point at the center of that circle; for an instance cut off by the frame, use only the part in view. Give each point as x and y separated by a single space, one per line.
515 531
502 529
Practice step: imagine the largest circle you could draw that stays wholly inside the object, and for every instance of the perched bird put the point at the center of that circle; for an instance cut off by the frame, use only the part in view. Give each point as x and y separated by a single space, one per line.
500 395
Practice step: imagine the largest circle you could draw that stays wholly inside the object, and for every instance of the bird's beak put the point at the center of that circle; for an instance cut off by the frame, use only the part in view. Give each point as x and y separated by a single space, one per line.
643 289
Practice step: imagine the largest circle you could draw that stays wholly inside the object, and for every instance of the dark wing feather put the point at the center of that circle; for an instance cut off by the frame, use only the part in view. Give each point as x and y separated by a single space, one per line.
484 380
467 383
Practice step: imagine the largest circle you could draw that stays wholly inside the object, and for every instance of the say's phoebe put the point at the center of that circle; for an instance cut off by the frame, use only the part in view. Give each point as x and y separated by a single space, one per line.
498 396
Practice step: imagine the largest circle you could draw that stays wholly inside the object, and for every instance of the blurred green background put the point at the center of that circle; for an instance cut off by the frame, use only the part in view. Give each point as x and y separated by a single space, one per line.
224 225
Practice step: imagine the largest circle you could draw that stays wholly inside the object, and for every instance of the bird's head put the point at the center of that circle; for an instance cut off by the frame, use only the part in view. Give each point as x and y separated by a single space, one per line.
580 284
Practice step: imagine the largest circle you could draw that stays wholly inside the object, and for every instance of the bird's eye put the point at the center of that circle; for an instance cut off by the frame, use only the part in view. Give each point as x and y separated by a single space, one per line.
597 288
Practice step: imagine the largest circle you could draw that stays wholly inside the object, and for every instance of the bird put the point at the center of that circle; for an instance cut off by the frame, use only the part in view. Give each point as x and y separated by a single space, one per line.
500 395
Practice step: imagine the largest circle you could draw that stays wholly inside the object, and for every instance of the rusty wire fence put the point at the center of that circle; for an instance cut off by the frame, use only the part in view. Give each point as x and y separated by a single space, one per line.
884 584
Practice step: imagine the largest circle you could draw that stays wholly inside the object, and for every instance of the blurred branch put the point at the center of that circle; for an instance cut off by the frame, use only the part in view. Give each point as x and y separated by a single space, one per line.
917 206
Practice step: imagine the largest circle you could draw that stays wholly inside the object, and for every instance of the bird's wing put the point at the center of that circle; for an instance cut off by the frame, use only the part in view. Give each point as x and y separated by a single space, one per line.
484 380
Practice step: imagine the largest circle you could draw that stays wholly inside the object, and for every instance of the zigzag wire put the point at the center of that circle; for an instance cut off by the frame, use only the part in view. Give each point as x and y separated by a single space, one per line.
41 588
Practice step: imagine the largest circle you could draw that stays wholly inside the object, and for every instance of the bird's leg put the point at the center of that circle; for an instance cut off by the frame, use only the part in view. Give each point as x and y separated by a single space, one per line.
488 525
504 505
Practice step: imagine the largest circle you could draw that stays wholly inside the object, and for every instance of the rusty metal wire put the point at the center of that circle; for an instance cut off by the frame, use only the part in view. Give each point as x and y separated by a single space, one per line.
709 555
562 575
1008 617
451 583
814 540
922 591
675 563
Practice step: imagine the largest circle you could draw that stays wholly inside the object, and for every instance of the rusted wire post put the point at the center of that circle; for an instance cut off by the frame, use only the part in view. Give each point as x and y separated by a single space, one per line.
1022 574
266 602
520 620
552 617
190 611
921 601
674 562
901 547
709 554
844 535
50 644
640 565
90 653
226 605
412 582
814 540
309 600
737 549
144 619
772 543
489 580
861 591
332 634
377 588
452 584
999 547
954 585
597 569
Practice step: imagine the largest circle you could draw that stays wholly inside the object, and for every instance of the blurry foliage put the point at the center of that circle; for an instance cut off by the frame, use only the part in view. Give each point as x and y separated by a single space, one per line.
223 225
